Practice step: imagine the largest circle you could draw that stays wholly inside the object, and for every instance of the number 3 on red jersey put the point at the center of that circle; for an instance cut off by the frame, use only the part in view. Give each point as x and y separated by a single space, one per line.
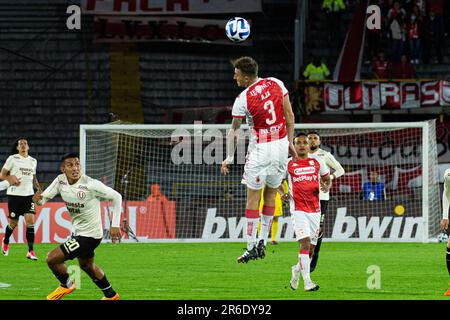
270 107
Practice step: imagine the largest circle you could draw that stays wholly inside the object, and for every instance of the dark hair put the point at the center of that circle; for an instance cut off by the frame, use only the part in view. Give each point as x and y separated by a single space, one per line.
247 65
16 144
69 155
314 132
301 134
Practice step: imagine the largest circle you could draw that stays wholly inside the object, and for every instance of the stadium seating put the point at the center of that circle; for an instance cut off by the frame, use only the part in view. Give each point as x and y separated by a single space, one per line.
46 95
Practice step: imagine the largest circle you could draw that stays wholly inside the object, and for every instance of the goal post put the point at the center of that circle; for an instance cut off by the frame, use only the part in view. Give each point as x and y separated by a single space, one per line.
175 192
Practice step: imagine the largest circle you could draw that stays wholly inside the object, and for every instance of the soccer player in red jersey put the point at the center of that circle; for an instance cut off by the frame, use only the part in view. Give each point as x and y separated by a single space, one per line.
305 175
265 105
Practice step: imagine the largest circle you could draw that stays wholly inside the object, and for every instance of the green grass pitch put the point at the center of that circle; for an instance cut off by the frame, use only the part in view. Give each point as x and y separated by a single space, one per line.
191 271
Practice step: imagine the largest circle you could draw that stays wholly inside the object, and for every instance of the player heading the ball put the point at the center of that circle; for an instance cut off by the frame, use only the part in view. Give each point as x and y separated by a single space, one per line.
81 195
265 105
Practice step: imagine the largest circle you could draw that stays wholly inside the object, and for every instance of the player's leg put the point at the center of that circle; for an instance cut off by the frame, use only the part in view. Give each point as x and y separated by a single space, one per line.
447 258
266 219
315 252
13 220
98 277
252 219
29 221
56 262
302 234
8 232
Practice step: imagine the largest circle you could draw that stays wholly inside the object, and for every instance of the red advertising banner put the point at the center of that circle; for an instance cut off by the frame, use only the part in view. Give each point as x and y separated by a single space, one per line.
388 95
109 29
167 7
148 220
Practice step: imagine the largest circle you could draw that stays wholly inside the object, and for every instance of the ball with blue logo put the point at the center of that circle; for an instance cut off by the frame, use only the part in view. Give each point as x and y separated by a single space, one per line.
237 29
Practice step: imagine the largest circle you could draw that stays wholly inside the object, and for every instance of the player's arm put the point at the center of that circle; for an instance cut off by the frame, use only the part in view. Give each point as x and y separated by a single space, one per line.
290 123
325 177
231 144
6 168
40 198
445 201
281 190
4 175
36 183
4 185
338 170
105 192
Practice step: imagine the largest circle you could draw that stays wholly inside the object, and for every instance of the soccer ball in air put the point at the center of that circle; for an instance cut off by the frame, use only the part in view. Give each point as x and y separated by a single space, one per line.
237 29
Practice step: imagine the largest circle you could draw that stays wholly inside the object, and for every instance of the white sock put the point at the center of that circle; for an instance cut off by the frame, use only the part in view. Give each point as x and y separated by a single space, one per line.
266 222
304 267
252 229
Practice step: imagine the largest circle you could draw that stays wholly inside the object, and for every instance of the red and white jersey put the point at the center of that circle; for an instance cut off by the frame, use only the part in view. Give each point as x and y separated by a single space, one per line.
262 106
303 179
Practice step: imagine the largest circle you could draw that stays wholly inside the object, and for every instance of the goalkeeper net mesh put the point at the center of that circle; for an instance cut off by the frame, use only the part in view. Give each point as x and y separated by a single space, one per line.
169 177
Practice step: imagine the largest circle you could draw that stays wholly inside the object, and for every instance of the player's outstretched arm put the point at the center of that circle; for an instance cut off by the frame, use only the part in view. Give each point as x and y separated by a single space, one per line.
52 190
105 192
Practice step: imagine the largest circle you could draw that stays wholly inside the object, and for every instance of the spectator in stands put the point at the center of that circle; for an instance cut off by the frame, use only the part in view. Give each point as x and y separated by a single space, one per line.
437 7
374 190
316 70
396 12
333 9
397 38
403 70
156 194
433 38
381 66
414 36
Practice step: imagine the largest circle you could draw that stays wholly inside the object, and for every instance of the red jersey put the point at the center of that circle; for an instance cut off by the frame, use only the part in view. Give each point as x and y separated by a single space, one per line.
262 106
303 178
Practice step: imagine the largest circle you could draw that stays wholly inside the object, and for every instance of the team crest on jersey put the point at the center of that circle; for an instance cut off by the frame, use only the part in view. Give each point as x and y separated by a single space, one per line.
311 162
81 195
12 215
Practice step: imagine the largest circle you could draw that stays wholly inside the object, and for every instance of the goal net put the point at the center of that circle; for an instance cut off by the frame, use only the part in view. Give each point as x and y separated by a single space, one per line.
169 177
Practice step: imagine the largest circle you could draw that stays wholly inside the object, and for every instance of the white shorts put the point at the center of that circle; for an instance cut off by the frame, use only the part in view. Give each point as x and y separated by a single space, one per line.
306 225
266 164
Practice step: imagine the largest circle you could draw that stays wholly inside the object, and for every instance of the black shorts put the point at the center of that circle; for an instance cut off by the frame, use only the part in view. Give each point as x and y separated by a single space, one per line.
80 247
19 205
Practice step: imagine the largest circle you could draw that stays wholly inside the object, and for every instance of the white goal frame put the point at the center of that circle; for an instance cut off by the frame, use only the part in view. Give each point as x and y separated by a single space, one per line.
423 125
